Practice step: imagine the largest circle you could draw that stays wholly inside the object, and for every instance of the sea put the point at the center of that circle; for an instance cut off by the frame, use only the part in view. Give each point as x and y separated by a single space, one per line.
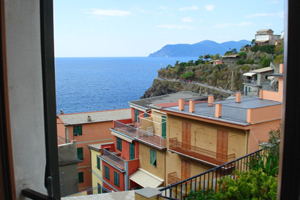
105 83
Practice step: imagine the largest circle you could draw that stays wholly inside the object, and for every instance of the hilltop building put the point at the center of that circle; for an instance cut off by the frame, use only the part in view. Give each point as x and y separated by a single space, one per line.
266 37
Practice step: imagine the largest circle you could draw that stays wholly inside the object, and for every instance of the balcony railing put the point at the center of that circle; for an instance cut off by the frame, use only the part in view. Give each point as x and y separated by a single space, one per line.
141 135
208 179
200 153
114 159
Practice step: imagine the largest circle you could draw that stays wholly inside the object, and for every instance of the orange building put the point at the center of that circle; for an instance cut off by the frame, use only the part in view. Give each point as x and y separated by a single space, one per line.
88 128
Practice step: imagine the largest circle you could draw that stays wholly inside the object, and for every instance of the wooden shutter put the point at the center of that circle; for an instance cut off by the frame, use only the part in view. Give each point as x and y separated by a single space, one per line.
106 171
163 127
186 135
80 153
185 169
222 145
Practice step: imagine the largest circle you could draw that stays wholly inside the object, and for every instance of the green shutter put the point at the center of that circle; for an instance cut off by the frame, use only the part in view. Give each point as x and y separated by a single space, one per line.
136 115
77 130
119 144
152 157
98 162
80 177
116 179
146 115
106 170
164 127
131 151
80 153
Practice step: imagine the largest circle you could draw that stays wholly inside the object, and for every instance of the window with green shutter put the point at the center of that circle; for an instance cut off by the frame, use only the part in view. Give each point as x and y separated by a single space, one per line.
136 115
80 177
153 157
163 127
106 172
80 153
98 163
116 179
119 144
77 130
131 151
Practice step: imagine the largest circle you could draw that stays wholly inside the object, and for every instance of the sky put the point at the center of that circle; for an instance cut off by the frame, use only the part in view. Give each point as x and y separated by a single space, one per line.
111 28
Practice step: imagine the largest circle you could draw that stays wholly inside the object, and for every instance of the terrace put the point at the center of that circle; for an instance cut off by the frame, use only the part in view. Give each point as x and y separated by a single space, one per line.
198 153
147 136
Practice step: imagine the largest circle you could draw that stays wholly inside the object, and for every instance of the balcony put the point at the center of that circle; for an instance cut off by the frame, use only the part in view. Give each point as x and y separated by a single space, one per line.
205 155
144 136
113 158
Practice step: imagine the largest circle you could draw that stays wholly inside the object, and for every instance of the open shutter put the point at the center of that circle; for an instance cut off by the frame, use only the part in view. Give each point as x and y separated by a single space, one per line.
163 127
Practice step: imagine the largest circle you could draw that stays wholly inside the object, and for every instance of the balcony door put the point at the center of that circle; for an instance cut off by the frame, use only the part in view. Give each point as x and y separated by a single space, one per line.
186 136
222 145
185 169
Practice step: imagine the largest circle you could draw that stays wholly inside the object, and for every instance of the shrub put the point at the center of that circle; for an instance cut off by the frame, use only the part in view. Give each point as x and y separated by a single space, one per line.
240 62
248 185
200 195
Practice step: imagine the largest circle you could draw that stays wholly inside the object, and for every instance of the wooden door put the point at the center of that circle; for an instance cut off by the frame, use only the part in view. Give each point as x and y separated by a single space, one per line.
186 136
222 145
185 169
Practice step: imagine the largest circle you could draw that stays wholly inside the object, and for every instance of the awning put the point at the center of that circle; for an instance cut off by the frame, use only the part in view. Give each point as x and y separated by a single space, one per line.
146 179
249 74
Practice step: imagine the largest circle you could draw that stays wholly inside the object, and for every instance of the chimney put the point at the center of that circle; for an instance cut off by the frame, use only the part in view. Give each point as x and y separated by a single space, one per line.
192 105
281 68
218 110
238 97
89 118
261 94
61 112
181 104
210 100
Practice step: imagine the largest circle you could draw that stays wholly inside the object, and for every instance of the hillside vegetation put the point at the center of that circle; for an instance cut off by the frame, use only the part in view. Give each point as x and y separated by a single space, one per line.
222 76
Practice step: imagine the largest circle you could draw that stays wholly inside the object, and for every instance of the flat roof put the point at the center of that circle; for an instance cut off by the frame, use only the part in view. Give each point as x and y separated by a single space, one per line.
261 70
231 111
97 116
168 98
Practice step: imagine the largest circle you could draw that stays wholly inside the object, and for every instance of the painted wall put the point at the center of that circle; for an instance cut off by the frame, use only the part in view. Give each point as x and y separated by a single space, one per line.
204 135
260 133
23 47
121 186
144 155
96 173
264 114
92 133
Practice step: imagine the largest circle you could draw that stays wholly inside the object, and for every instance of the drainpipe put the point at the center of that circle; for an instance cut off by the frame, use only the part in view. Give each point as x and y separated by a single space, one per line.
126 176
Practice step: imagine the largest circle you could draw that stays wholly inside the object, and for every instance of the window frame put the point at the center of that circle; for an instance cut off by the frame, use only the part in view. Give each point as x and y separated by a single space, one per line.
78 153
77 130
119 144
153 157
116 179
106 172
80 176
131 150
98 163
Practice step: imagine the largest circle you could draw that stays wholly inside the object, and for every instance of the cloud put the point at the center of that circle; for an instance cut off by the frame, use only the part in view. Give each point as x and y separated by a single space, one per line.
210 7
110 13
163 7
171 26
187 8
187 19
224 25
278 14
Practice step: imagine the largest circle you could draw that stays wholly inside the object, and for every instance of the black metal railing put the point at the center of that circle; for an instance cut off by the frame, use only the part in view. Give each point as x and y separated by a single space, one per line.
208 179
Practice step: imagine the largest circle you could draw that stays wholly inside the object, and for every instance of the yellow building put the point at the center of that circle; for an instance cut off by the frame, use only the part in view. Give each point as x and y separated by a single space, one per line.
96 168
203 135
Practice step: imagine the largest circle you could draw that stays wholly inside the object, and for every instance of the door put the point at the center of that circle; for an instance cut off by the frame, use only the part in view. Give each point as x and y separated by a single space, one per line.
186 136
222 145
185 169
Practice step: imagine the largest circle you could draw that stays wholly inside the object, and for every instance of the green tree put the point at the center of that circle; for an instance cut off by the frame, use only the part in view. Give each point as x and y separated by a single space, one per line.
207 56
217 56
253 41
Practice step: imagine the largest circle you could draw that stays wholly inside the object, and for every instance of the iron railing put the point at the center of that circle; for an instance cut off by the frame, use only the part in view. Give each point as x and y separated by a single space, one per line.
62 140
208 179
200 153
141 135
114 158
